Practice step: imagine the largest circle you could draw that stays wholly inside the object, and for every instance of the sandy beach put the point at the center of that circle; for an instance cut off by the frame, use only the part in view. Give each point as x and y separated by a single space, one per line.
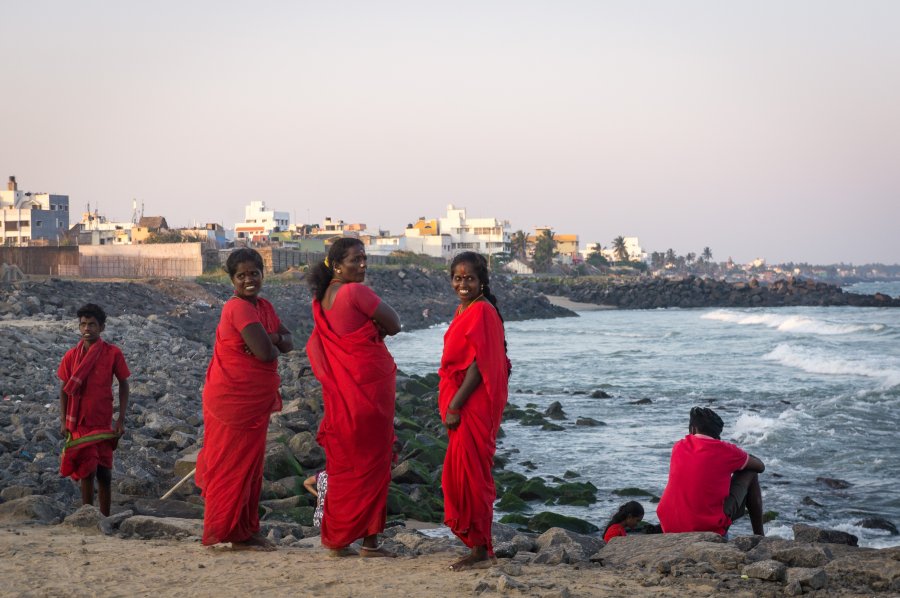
60 561
561 301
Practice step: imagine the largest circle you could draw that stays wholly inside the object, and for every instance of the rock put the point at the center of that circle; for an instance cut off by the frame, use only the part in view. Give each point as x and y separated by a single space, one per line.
811 579
599 394
145 526
505 583
834 483
809 502
108 525
556 536
576 493
643 401
766 570
745 543
534 489
88 516
558 555
555 411
185 464
803 555
589 421
875 569
546 520
510 503
306 450
280 462
15 491
182 440
524 542
721 557
878 523
793 589
505 550
411 472
641 550
809 534
164 425
31 508
155 507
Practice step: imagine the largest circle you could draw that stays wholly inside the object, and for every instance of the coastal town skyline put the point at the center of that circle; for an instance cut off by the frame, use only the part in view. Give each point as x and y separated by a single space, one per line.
762 132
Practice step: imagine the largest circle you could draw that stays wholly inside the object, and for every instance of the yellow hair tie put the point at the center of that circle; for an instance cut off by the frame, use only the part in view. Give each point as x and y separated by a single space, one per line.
327 265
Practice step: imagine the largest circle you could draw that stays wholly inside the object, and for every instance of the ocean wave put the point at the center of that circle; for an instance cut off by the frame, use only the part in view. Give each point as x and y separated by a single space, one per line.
752 429
791 323
818 362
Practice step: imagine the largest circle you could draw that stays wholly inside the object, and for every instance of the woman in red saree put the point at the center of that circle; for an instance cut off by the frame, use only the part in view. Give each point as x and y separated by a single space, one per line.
473 391
358 378
241 391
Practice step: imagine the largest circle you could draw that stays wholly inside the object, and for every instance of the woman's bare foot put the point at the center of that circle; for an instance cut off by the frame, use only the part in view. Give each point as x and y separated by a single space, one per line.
376 552
477 559
254 542
341 552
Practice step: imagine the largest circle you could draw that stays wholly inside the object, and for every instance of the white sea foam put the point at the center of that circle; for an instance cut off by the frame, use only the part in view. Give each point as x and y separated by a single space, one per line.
815 361
753 429
791 323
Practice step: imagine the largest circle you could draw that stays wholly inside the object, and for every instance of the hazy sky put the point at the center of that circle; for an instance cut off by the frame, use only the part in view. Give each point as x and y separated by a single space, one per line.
761 129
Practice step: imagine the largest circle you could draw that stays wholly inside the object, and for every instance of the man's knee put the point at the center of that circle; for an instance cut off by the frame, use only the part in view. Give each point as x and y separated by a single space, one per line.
104 475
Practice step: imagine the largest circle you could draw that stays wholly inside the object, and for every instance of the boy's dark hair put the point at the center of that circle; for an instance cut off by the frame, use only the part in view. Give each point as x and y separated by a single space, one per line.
239 256
92 310
320 275
630 509
706 421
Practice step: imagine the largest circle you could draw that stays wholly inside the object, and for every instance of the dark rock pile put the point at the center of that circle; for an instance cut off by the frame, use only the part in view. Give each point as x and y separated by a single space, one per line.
704 292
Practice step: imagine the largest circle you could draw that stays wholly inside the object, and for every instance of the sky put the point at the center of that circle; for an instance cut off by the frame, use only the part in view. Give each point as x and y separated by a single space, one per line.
764 129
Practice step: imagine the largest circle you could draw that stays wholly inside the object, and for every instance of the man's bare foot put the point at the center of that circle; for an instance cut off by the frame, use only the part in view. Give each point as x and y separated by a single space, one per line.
341 552
254 542
473 561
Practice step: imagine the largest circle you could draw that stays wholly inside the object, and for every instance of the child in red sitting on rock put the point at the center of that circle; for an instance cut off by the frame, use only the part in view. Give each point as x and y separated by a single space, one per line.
711 482
86 407
627 517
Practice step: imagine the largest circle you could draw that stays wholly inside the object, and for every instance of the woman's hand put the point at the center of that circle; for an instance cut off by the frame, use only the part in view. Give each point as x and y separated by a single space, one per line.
452 419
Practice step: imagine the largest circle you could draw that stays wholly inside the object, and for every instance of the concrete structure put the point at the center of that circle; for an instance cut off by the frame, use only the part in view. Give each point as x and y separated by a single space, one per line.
565 246
484 235
212 235
146 226
32 218
165 260
95 229
259 223
632 244
431 245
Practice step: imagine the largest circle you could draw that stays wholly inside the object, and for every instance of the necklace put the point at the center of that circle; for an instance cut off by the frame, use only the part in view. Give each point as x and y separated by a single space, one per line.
461 309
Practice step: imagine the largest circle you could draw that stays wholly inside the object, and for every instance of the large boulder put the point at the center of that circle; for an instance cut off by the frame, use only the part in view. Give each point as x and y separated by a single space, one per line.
766 570
642 550
559 537
803 555
42 509
546 520
280 462
145 526
306 450
809 534
155 507
88 517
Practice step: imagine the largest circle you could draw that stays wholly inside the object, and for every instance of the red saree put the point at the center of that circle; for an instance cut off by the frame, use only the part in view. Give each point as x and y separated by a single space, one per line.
358 378
240 393
476 334
89 407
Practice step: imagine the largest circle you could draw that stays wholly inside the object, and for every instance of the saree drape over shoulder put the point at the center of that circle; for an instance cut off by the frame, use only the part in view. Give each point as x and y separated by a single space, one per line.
358 378
477 335
89 407
239 395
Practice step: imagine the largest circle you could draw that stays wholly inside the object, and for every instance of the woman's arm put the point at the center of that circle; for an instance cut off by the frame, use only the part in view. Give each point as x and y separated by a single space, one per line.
258 342
386 319
282 339
468 386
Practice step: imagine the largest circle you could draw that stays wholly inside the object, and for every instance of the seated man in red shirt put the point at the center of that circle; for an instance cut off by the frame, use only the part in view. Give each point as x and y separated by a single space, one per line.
711 482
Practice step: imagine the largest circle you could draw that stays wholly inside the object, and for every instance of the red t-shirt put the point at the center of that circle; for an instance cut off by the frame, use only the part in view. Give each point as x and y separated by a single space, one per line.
353 306
699 481
97 394
616 529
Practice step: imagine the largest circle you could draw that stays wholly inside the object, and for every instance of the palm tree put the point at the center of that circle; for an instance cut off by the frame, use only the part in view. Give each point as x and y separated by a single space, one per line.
620 250
596 257
544 250
707 254
518 242
671 257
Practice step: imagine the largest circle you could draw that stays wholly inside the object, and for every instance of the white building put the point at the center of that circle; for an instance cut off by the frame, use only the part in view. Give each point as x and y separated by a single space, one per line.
632 245
260 222
484 235
32 218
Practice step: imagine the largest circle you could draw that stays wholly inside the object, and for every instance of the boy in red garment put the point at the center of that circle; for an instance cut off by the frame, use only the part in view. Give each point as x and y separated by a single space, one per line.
711 482
86 407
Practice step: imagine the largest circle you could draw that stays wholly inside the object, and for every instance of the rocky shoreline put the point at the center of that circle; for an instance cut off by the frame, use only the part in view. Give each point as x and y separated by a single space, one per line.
165 329
691 291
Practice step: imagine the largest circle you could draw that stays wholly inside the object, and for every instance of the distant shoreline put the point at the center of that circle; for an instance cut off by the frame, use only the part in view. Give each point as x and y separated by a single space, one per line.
560 301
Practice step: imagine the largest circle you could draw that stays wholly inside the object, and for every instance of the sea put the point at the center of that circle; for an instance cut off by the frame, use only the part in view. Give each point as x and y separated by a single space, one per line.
812 391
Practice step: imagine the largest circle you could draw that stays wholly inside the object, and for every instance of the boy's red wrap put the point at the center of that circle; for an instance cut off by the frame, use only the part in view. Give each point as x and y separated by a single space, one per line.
477 335
240 393
358 378
89 406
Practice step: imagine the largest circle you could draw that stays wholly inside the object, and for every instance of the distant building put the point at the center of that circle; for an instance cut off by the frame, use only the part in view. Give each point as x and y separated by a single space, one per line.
565 246
147 226
259 223
95 229
484 235
632 245
32 218
212 235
